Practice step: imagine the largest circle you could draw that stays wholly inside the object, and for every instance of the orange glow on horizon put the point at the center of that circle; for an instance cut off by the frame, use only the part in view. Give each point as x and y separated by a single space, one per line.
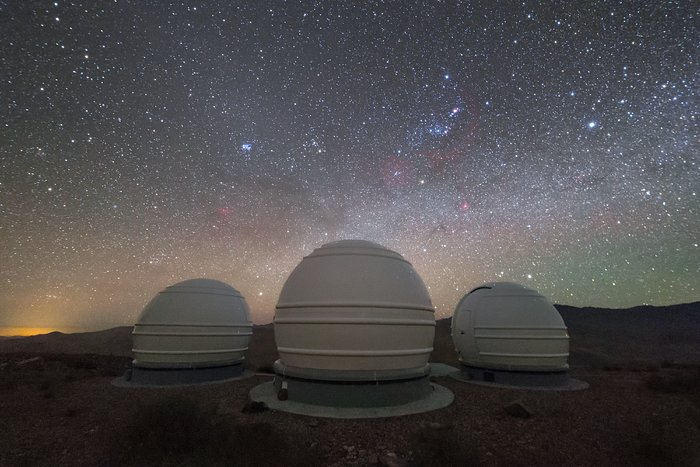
21 331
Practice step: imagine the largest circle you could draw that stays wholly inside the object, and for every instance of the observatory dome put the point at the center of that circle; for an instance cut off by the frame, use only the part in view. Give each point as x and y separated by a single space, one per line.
507 326
197 323
354 311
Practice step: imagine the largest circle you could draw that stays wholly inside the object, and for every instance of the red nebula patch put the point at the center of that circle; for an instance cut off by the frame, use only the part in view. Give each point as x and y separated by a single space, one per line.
224 212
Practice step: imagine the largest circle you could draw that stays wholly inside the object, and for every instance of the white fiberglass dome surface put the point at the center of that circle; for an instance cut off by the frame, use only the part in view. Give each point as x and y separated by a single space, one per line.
503 325
354 306
194 323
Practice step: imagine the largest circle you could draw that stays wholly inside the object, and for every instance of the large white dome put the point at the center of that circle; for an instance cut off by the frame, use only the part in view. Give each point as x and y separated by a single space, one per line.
506 326
196 323
353 308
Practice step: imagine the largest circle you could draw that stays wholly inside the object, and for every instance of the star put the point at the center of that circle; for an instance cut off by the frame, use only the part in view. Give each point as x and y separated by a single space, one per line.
229 142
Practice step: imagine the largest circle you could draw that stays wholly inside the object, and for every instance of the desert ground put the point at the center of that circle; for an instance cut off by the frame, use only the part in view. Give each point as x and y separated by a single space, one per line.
58 407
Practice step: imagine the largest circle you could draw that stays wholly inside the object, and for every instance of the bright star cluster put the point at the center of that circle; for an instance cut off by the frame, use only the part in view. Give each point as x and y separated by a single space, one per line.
143 143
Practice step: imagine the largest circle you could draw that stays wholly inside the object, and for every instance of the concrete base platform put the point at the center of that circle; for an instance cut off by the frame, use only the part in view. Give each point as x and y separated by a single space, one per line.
168 377
536 381
442 369
353 393
436 398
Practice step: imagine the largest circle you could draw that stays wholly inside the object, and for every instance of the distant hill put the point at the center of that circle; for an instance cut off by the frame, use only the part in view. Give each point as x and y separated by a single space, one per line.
603 337
115 341
642 333
599 337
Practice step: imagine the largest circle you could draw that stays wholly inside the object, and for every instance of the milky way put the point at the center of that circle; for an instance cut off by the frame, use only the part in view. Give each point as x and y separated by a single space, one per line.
147 142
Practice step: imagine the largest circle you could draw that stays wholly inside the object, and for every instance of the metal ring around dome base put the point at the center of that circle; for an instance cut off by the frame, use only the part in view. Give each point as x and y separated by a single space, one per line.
170 377
534 380
350 375
355 353
436 398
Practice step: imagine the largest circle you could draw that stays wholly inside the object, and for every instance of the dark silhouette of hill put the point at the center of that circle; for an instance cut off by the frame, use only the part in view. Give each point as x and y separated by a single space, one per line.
114 341
58 405
117 342
600 337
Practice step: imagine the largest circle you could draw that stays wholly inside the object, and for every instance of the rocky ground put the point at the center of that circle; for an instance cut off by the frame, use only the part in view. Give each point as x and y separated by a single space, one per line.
60 409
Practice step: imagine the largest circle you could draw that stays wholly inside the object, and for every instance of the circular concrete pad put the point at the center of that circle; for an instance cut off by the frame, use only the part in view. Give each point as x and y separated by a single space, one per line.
570 384
123 382
438 398
441 369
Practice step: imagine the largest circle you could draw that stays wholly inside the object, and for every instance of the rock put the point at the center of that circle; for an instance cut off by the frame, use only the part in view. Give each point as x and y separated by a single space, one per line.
518 409
436 426
35 361
255 407
373 459
390 459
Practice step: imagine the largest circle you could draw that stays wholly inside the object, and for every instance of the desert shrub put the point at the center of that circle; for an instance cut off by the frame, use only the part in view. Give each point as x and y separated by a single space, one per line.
179 432
439 445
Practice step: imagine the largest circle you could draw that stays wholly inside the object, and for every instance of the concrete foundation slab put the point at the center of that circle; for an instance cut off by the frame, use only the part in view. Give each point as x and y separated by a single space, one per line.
436 398
159 378
441 369
536 381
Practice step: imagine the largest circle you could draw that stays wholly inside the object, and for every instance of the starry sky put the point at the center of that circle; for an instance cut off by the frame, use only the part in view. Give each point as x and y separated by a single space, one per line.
554 144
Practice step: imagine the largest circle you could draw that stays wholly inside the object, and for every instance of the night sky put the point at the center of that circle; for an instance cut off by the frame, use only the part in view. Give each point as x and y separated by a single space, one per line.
147 142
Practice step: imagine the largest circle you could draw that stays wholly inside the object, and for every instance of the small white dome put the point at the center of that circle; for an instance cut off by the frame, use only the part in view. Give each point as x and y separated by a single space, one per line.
353 305
507 326
193 324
